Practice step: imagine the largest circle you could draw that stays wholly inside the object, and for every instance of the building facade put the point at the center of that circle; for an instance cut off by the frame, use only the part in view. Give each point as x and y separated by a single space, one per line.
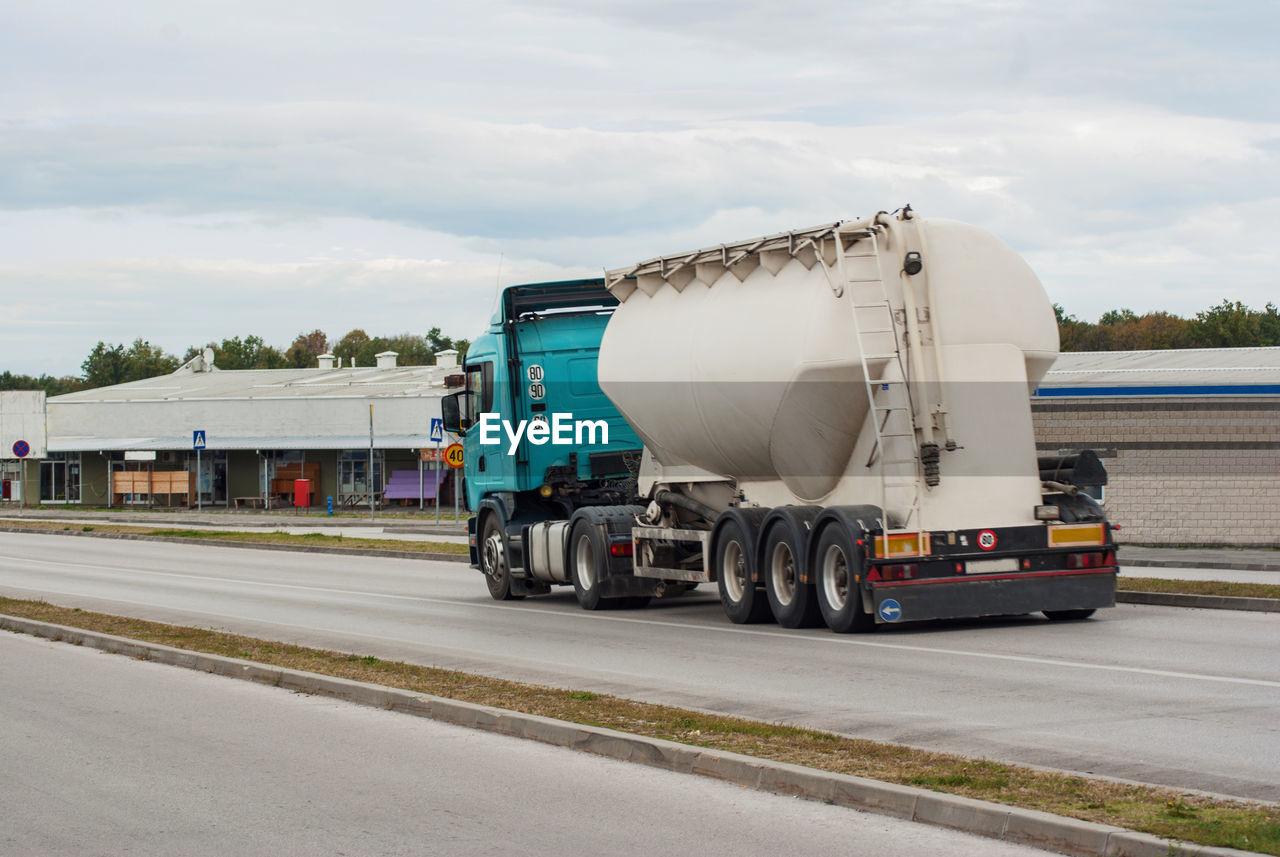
1190 439
348 430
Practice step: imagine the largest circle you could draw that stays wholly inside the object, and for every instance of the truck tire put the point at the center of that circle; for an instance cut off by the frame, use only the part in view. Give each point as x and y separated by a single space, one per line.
838 575
493 560
1069 615
588 563
793 602
744 603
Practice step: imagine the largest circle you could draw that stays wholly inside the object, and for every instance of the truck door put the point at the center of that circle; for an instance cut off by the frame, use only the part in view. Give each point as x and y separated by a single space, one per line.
493 469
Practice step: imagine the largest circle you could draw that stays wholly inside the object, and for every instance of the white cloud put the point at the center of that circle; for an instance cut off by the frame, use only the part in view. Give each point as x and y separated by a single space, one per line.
186 173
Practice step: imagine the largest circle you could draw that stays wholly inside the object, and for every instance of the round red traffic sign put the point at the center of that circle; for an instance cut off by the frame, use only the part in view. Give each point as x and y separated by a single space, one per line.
21 449
987 540
453 455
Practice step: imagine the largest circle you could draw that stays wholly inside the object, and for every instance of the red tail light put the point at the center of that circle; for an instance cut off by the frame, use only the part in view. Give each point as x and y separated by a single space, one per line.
620 549
1093 559
899 572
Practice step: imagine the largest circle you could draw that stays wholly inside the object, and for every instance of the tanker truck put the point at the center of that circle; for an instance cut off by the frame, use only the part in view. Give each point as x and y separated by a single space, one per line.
831 425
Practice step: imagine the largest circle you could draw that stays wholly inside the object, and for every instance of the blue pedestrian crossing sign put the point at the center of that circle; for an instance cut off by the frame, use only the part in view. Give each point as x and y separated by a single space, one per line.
437 430
197 439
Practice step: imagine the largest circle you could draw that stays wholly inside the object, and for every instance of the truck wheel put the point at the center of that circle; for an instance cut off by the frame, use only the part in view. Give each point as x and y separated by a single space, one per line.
839 575
587 565
493 561
1066 615
792 601
744 603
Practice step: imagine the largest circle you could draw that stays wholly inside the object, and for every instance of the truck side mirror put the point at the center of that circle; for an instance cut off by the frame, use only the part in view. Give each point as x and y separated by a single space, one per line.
451 407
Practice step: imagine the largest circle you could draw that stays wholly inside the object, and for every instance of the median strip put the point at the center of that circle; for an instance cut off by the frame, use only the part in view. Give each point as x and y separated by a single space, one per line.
715 745
306 542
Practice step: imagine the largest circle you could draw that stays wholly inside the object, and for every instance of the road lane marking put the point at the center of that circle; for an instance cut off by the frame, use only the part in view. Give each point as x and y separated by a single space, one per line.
723 629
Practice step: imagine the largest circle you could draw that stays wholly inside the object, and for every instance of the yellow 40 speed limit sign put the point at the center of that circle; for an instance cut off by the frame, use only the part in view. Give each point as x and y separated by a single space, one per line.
453 455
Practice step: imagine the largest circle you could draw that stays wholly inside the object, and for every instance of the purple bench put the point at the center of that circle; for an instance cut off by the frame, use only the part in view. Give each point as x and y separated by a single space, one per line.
403 485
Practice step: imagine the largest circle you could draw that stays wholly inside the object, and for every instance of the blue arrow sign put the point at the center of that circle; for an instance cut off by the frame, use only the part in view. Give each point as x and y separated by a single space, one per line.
437 430
197 439
890 610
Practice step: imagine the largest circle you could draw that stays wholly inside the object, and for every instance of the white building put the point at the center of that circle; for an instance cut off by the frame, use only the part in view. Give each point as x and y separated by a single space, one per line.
261 429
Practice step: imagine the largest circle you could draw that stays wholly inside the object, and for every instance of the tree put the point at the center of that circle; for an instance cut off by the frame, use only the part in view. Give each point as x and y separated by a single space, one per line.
306 348
1071 330
248 353
1269 325
411 350
1160 330
104 366
1227 325
52 386
145 360
115 364
349 347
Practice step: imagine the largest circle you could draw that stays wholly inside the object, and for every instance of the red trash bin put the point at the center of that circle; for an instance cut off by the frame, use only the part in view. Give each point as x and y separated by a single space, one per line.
302 492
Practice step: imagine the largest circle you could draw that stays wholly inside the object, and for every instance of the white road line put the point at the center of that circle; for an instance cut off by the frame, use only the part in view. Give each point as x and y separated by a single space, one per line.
598 617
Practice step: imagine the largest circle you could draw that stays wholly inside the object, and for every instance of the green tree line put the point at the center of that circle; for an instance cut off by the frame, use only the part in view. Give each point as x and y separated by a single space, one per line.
110 363
1227 325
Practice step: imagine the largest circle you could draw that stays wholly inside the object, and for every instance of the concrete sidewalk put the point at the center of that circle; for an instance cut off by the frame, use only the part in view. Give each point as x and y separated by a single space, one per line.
1224 558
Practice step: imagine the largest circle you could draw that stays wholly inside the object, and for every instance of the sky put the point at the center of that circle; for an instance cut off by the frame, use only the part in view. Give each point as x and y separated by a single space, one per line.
188 172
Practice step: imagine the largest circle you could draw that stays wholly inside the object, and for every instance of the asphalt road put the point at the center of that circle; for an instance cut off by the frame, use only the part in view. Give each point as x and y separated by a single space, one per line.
1188 698
107 755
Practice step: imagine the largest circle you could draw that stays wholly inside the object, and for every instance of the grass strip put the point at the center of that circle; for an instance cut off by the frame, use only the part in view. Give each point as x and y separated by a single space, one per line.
264 538
1163 812
1199 587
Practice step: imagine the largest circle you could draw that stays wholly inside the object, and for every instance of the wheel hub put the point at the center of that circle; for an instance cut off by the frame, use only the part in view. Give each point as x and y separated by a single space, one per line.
835 578
783 570
494 560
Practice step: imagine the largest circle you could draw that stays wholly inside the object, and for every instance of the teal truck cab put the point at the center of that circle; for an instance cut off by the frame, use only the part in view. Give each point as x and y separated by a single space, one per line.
540 439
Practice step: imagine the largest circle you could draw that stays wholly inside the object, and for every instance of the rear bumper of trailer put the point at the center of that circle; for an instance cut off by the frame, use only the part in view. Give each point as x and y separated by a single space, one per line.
952 598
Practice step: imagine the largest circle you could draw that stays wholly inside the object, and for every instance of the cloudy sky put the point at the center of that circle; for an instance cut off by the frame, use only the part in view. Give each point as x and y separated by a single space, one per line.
186 172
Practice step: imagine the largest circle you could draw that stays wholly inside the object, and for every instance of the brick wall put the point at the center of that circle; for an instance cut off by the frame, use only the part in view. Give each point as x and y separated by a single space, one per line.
1181 470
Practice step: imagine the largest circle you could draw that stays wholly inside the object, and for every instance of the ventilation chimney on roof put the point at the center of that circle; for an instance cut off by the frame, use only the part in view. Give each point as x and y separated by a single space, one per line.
325 361
387 359
447 359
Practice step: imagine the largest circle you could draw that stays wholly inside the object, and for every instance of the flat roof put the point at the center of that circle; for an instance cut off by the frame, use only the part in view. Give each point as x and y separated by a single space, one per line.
1172 372
360 382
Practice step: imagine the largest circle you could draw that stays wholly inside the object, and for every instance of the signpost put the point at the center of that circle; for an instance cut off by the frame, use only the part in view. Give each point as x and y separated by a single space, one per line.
453 455
198 443
23 434
437 437
21 449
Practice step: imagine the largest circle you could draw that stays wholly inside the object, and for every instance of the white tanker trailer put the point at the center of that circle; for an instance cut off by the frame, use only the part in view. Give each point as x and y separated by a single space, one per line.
835 423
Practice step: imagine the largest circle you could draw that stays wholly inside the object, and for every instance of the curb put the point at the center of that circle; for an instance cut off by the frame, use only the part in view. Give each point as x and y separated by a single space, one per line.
135 537
1011 824
1218 564
1209 602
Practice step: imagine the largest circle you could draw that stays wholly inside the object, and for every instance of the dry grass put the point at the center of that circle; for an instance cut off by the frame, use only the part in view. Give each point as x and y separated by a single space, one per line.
1163 812
267 538
1200 587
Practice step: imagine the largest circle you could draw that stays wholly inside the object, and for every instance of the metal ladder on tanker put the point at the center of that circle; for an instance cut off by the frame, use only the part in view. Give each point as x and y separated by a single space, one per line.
896 453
